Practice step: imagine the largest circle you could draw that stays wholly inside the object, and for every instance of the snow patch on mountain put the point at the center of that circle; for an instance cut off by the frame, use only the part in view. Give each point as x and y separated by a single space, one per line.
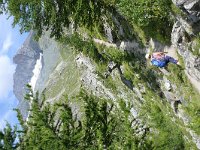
36 72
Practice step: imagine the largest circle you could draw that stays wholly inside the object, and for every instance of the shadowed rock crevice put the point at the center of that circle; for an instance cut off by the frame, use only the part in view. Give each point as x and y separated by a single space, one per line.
125 81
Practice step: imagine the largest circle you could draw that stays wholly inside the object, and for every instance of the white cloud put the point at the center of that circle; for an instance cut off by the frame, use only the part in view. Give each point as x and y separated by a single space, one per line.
10 41
6 76
10 38
7 43
6 34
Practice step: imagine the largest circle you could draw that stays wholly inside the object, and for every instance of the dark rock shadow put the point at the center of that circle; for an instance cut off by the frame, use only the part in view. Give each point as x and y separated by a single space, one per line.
126 82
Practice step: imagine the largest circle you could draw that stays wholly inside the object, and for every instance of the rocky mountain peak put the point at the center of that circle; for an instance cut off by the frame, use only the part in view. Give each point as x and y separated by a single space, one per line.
25 59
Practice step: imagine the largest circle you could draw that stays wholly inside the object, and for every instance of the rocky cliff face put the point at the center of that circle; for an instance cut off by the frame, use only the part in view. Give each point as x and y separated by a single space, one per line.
183 34
65 72
191 15
25 59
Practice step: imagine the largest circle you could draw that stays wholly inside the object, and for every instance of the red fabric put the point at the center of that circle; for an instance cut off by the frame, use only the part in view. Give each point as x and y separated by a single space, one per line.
158 56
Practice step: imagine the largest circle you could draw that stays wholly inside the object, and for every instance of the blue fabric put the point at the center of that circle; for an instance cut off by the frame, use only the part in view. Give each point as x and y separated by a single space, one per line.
159 63
163 62
170 59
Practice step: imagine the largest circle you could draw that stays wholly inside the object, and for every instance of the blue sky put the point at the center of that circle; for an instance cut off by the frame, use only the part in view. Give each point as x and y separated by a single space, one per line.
10 41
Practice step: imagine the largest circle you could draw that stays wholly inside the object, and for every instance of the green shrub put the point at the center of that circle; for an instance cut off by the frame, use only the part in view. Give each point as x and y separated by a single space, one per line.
169 135
153 16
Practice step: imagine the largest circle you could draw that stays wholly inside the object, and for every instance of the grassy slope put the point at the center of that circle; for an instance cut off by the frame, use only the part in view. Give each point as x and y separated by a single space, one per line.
65 80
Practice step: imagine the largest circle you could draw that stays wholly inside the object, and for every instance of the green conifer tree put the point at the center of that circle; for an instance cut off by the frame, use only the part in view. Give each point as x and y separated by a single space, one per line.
39 15
55 126
8 138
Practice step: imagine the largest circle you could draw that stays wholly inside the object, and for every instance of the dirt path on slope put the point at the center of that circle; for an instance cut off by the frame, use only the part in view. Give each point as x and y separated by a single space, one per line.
171 51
